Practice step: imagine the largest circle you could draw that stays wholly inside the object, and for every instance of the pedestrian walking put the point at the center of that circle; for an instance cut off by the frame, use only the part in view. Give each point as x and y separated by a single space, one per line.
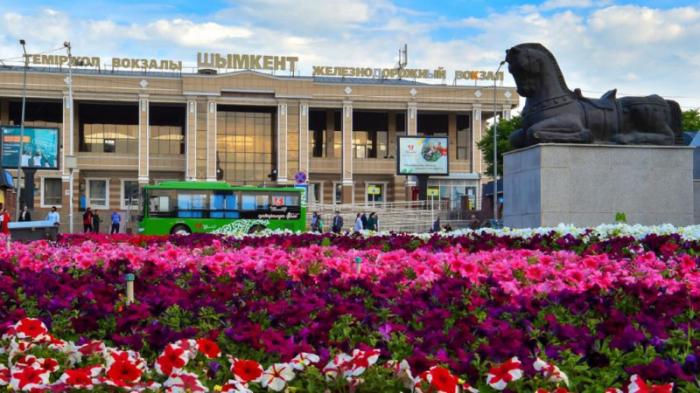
4 220
116 221
358 223
337 223
314 222
436 225
96 220
87 220
372 223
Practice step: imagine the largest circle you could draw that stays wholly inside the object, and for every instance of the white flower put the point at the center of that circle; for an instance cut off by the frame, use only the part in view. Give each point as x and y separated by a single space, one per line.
303 360
276 376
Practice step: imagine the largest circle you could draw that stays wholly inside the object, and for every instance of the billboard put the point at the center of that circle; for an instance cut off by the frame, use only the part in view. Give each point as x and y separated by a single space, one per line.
422 155
40 147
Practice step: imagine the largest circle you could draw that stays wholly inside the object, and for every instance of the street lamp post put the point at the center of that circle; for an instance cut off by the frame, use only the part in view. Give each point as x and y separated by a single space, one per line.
495 146
66 44
21 127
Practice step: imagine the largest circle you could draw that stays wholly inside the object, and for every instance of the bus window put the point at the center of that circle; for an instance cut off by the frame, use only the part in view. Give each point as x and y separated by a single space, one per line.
191 205
159 203
248 202
262 202
223 204
285 200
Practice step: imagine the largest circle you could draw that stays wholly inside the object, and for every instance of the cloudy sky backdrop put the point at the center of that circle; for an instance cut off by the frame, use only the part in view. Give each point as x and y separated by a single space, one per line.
639 48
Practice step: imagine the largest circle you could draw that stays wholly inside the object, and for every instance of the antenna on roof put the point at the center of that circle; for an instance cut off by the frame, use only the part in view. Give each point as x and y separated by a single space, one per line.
403 57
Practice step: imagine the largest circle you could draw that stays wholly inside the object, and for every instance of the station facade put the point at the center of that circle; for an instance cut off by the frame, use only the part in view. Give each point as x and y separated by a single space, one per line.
124 129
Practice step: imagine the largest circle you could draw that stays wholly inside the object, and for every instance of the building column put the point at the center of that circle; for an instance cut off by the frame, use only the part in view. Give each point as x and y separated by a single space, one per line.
411 130
5 111
330 133
452 136
476 164
304 139
67 148
506 115
391 131
191 140
144 137
282 147
347 152
211 140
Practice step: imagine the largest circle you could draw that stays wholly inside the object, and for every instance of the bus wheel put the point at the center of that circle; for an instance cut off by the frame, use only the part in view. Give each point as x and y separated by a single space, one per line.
256 229
181 230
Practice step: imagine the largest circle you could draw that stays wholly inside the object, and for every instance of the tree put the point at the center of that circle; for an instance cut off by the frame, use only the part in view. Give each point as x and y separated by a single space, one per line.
691 120
505 128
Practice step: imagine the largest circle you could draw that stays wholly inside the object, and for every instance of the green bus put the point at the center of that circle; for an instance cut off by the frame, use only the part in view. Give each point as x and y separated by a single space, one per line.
184 207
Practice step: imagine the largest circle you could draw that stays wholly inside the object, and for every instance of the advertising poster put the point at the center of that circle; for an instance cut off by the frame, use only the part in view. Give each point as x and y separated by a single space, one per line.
39 147
423 156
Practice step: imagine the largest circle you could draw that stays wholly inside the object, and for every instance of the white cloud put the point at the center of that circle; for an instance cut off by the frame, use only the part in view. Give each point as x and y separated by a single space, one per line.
557 4
639 50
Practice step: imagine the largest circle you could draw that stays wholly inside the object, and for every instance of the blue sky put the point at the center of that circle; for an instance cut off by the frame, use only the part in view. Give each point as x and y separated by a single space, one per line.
639 47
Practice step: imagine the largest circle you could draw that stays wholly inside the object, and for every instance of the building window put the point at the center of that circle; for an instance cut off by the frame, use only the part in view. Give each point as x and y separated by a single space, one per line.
98 193
167 140
318 143
375 192
130 194
244 145
110 138
337 144
361 144
315 193
51 191
338 194
462 137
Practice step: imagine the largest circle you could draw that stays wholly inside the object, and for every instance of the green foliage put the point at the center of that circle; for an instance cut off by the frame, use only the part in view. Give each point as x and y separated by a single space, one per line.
505 128
691 120
176 318
620 217
347 329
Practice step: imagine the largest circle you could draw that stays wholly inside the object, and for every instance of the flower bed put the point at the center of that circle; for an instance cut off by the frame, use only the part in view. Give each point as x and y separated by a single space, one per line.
606 310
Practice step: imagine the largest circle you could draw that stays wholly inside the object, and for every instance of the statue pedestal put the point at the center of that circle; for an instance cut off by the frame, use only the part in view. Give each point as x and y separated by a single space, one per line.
586 185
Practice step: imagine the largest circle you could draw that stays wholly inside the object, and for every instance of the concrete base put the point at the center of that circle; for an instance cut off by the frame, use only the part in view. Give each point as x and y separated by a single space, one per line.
586 185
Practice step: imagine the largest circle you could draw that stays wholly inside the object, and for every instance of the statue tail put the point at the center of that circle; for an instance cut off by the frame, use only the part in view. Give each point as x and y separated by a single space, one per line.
676 121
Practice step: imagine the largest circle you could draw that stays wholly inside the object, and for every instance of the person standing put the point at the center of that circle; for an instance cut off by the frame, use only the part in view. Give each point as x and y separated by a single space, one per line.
436 225
320 224
54 217
24 215
363 218
314 222
4 220
87 220
116 221
358 223
372 222
337 223
96 221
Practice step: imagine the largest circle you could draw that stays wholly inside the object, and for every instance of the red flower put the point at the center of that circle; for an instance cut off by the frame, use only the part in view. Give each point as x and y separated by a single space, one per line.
638 385
79 378
499 376
30 327
29 376
442 379
123 373
208 347
171 359
246 370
